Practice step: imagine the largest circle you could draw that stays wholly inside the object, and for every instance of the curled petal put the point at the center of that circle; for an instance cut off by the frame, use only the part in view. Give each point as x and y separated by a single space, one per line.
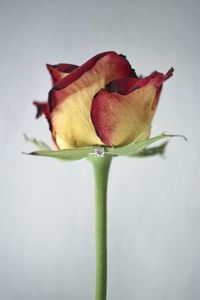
42 108
124 86
122 116
71 98
59 71
108 59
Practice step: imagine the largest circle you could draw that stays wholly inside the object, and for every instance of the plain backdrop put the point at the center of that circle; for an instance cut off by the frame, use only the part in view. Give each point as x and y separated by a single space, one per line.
47 228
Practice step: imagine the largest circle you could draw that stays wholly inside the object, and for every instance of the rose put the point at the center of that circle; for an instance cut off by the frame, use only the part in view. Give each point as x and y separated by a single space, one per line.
102 102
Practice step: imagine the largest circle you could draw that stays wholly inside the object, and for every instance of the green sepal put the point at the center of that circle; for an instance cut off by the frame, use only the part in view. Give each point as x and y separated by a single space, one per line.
68 154
133 149
160 150
39 144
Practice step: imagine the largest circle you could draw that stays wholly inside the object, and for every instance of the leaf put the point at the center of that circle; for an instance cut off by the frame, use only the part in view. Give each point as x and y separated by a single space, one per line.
39 144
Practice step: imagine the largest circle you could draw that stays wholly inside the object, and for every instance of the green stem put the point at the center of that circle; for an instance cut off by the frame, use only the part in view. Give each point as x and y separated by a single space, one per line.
101 170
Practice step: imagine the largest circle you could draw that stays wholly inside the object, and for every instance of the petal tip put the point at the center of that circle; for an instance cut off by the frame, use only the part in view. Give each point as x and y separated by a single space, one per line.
39 109
169 73
42 108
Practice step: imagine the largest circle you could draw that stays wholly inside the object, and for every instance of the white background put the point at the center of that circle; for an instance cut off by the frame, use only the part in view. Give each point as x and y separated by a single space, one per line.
47 244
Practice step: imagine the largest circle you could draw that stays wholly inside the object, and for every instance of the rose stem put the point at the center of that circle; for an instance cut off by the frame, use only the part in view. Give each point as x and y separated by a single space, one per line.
101 169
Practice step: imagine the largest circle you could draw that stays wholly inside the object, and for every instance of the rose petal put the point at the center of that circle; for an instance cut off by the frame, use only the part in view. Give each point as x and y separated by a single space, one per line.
59 71
42 108
119 119
124 86
123 65
70 99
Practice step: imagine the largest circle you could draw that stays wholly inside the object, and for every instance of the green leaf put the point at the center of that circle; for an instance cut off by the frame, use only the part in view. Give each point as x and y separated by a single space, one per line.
39 144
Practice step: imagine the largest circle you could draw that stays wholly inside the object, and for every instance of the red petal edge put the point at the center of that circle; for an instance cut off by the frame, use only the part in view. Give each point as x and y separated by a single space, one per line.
76 74
123 86
42 108
55 71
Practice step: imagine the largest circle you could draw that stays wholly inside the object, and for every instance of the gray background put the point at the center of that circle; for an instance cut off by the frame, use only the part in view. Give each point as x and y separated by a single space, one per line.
47 248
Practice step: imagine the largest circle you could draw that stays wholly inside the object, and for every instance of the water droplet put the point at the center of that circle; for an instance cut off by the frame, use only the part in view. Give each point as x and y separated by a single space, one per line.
99 152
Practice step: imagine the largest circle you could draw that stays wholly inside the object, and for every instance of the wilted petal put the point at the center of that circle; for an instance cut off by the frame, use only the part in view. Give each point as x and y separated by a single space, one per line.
123 115
70 99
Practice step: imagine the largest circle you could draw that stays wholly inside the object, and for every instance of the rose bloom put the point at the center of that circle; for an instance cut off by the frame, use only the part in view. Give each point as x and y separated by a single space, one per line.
102 102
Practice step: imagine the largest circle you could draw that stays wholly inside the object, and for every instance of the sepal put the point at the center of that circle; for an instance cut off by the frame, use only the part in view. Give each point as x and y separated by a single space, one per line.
39 144
137 149
160 150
